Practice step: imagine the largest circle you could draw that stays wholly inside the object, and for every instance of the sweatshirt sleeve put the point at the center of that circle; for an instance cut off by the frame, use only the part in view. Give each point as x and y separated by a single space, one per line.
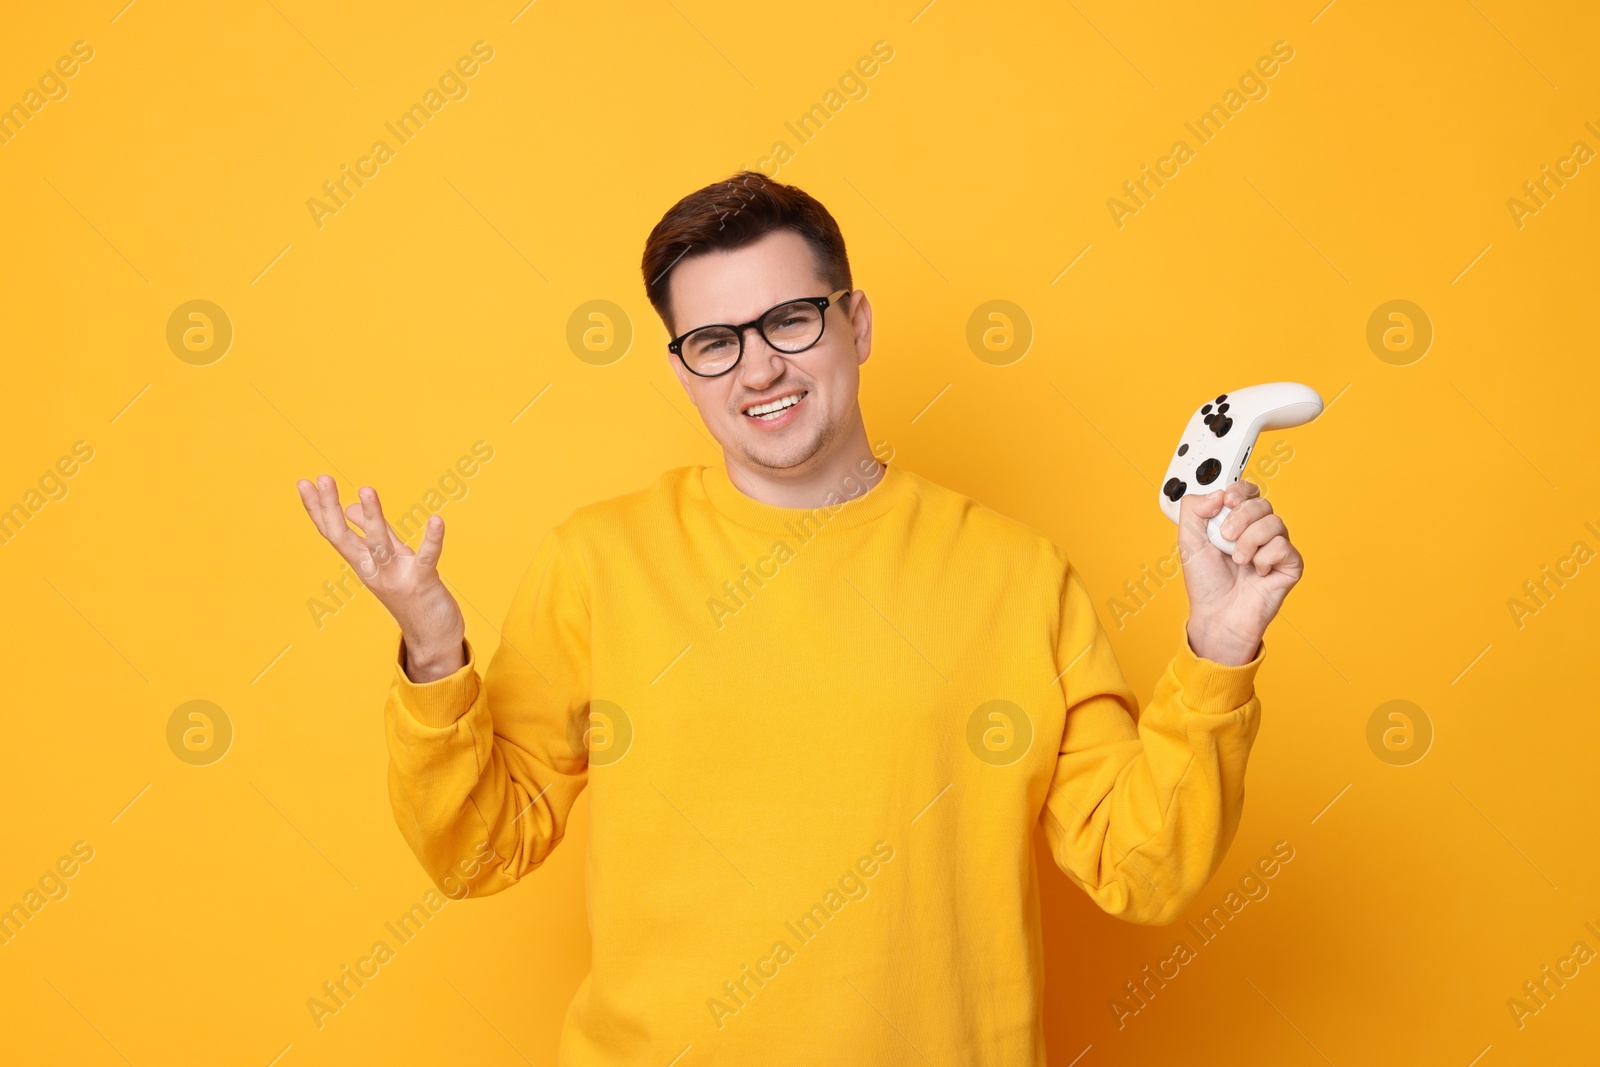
483 773
1143 806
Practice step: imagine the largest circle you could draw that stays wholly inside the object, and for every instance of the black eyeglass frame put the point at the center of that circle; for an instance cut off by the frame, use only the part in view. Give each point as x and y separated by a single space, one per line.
675 346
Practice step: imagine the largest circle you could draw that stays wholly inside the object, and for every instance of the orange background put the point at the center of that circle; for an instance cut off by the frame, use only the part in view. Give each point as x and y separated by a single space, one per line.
432 309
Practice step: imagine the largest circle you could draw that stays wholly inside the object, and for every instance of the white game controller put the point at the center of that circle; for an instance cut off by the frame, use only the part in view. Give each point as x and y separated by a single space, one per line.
1217 442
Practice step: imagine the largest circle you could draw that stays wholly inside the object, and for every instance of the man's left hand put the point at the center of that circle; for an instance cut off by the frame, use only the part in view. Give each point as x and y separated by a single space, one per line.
1231 599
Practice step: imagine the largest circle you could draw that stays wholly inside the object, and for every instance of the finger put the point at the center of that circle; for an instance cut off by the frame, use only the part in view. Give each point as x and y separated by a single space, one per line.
328 504
1192 516
308 497
1239 492
432 543
1275 552
1200 505
1255 535
1250 511
374 529
355 512
312 496
324 510
351 547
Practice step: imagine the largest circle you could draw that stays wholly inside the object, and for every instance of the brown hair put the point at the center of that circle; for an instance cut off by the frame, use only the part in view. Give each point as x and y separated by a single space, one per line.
731 214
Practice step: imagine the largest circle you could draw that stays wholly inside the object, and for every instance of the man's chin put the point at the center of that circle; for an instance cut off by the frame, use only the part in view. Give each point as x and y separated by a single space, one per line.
775 457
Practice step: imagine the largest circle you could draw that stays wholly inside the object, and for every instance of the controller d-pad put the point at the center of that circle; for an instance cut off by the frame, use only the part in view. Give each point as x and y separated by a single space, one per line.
1175 488
1207 472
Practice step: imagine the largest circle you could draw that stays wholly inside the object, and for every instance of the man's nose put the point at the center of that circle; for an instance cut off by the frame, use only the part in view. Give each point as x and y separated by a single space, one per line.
760 357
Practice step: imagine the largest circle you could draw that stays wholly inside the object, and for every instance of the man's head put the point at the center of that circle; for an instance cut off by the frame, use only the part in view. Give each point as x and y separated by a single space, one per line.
728 253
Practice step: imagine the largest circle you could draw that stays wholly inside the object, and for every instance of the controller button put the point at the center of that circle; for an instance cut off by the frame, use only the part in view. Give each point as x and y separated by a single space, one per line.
1206 410
1207 472
1221 408
1182 449
1221 398
1174 489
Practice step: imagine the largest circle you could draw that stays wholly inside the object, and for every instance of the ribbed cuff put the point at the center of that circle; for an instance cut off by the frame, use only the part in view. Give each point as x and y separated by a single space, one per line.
1212 687
441 702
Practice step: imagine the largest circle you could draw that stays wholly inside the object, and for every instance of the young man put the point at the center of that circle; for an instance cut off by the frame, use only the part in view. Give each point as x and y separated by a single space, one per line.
819 703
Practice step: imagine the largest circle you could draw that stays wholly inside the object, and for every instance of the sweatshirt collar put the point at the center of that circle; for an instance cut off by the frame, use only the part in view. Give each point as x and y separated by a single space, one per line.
892 488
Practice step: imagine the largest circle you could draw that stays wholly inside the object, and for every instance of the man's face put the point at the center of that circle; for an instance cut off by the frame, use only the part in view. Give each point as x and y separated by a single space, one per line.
737 286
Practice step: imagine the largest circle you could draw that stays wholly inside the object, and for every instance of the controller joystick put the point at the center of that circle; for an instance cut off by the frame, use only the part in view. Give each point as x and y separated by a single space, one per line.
1217 442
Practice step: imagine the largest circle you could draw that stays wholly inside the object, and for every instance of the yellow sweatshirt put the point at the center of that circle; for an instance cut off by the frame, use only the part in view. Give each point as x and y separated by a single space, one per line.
816 743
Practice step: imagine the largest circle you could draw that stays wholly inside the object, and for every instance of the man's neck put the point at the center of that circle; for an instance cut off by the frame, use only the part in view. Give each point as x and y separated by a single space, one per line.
848 471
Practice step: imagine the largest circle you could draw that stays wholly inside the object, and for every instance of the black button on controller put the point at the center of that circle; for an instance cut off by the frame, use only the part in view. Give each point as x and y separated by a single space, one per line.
1175 488
1182 449
1207 472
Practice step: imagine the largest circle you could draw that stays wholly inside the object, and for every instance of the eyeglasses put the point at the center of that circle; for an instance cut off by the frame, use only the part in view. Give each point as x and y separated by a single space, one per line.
793 326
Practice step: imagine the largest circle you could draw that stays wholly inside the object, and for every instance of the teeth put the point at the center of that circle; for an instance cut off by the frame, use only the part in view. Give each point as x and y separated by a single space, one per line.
768 410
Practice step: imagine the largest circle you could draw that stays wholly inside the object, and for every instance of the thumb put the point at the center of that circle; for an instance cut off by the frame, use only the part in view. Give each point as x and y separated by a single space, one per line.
1202 505
432 542
1193 512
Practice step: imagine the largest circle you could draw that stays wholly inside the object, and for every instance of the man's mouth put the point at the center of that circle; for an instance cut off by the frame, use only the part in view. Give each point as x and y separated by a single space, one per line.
771 410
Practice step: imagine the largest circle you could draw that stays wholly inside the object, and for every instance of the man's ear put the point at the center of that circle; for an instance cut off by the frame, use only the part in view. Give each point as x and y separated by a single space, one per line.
861 324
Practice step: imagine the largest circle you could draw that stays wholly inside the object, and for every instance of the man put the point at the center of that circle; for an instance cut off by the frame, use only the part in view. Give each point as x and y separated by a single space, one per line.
819 703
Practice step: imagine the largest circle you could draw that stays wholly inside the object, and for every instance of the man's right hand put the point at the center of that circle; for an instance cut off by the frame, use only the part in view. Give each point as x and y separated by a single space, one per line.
405 582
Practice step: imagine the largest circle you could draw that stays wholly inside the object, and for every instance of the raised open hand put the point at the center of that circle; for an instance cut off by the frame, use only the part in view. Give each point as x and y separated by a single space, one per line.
406 582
